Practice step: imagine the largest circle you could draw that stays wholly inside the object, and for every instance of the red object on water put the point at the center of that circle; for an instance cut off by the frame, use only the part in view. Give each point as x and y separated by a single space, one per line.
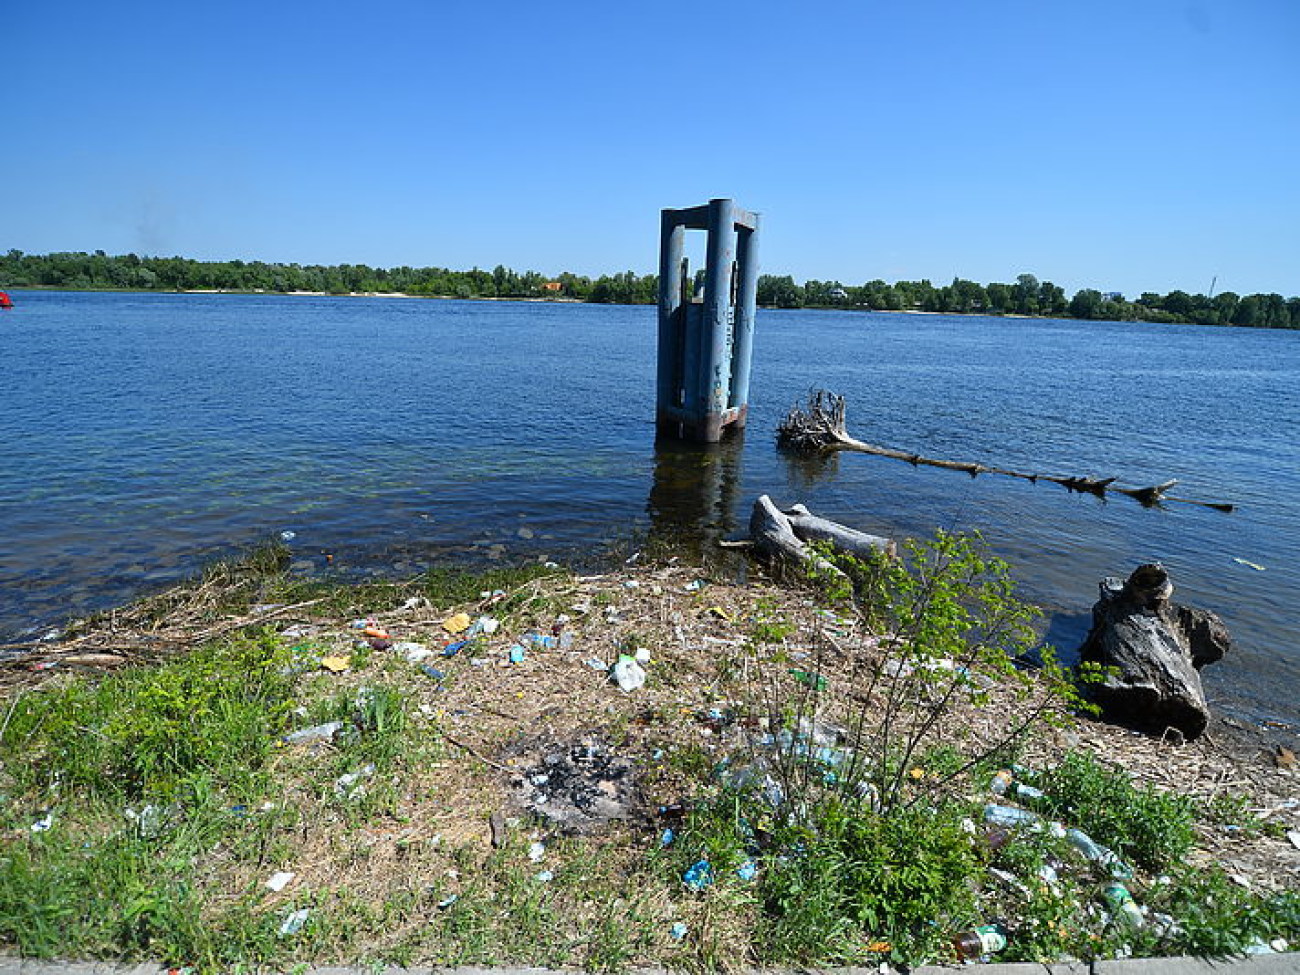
5 301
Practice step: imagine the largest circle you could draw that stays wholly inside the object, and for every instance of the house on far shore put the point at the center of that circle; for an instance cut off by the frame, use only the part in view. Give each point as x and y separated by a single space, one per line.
1112 296
552 287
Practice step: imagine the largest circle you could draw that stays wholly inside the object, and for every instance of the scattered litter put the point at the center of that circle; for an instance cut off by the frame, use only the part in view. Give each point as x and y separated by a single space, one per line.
747 870
148 821
996 815
540 642
677 931
44 823
628 674
287 536
699 875
988 939
294 922
483 626
44 665
375 632
544 877
280 879
1250 565
446 902
596 664
695 586
1099 854
456 624
816 681
364 624
536 852
432 672
719 613
516 654
451 649
336 665
413 652
261 608
415 602
350 786
1119 900
642 656
667 837
320 732
1294 837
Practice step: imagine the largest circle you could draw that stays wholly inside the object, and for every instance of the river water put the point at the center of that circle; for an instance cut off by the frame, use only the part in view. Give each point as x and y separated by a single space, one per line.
147 434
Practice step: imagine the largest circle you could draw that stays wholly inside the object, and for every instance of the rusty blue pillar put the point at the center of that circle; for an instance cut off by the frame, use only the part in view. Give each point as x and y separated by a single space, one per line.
706 342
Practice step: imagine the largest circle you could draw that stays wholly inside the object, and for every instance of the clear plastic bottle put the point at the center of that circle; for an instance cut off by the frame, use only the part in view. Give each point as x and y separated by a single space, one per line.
996 815
1099 854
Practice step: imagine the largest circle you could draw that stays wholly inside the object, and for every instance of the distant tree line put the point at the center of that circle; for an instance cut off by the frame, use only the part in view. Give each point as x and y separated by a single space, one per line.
1029 296
1026 296
81 271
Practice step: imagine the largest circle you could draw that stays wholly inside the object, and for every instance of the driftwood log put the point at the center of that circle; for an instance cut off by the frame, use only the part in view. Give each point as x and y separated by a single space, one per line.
1157 649
785 535
820 426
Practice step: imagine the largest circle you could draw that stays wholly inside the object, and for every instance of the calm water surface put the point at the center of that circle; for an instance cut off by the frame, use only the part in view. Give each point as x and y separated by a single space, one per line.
147 434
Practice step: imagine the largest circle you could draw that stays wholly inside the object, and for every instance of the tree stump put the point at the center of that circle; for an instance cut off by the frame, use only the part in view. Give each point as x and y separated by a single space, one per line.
1157 649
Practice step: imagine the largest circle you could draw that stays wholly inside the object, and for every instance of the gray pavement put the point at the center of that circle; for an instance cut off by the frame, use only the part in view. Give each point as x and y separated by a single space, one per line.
1272 964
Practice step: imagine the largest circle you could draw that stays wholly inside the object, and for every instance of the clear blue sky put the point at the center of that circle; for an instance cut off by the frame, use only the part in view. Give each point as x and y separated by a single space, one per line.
1126 145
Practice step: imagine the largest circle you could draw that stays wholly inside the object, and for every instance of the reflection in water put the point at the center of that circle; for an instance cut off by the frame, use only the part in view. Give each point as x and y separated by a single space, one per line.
805 471
692 503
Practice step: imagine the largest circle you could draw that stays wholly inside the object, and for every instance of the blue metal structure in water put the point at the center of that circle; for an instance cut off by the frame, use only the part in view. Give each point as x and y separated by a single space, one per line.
706 341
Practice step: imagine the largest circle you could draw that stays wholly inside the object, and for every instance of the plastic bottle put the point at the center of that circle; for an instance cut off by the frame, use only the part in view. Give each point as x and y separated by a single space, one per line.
1099 854
1001 783
996 815
1122 904
987 939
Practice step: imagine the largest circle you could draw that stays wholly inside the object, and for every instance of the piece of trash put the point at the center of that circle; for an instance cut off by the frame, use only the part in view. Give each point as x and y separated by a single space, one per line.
566 640
44 665
1119 900
678 931
642 656
366 623
320 732
719 613
413 603
288 536
148 821
1294 837
596 664
538 641
544 877
631 584
1250 565
485 625
628 674
667 837
413 652
280 879
44 823
451 649
336 665
516 654
699 875
1099 854
446 902
294 922
987 939
816 681
537 851
349 786
695 586
375 633
456 624
431 671
996 815
747 870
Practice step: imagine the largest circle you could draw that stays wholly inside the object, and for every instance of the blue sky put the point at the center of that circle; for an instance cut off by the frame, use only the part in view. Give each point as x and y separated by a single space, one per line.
1134 145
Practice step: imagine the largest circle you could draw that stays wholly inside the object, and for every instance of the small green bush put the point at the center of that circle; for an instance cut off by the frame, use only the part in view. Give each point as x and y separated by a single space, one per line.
1151 827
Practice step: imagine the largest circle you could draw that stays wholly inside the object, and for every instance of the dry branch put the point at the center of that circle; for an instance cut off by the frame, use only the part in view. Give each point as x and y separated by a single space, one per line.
819 427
